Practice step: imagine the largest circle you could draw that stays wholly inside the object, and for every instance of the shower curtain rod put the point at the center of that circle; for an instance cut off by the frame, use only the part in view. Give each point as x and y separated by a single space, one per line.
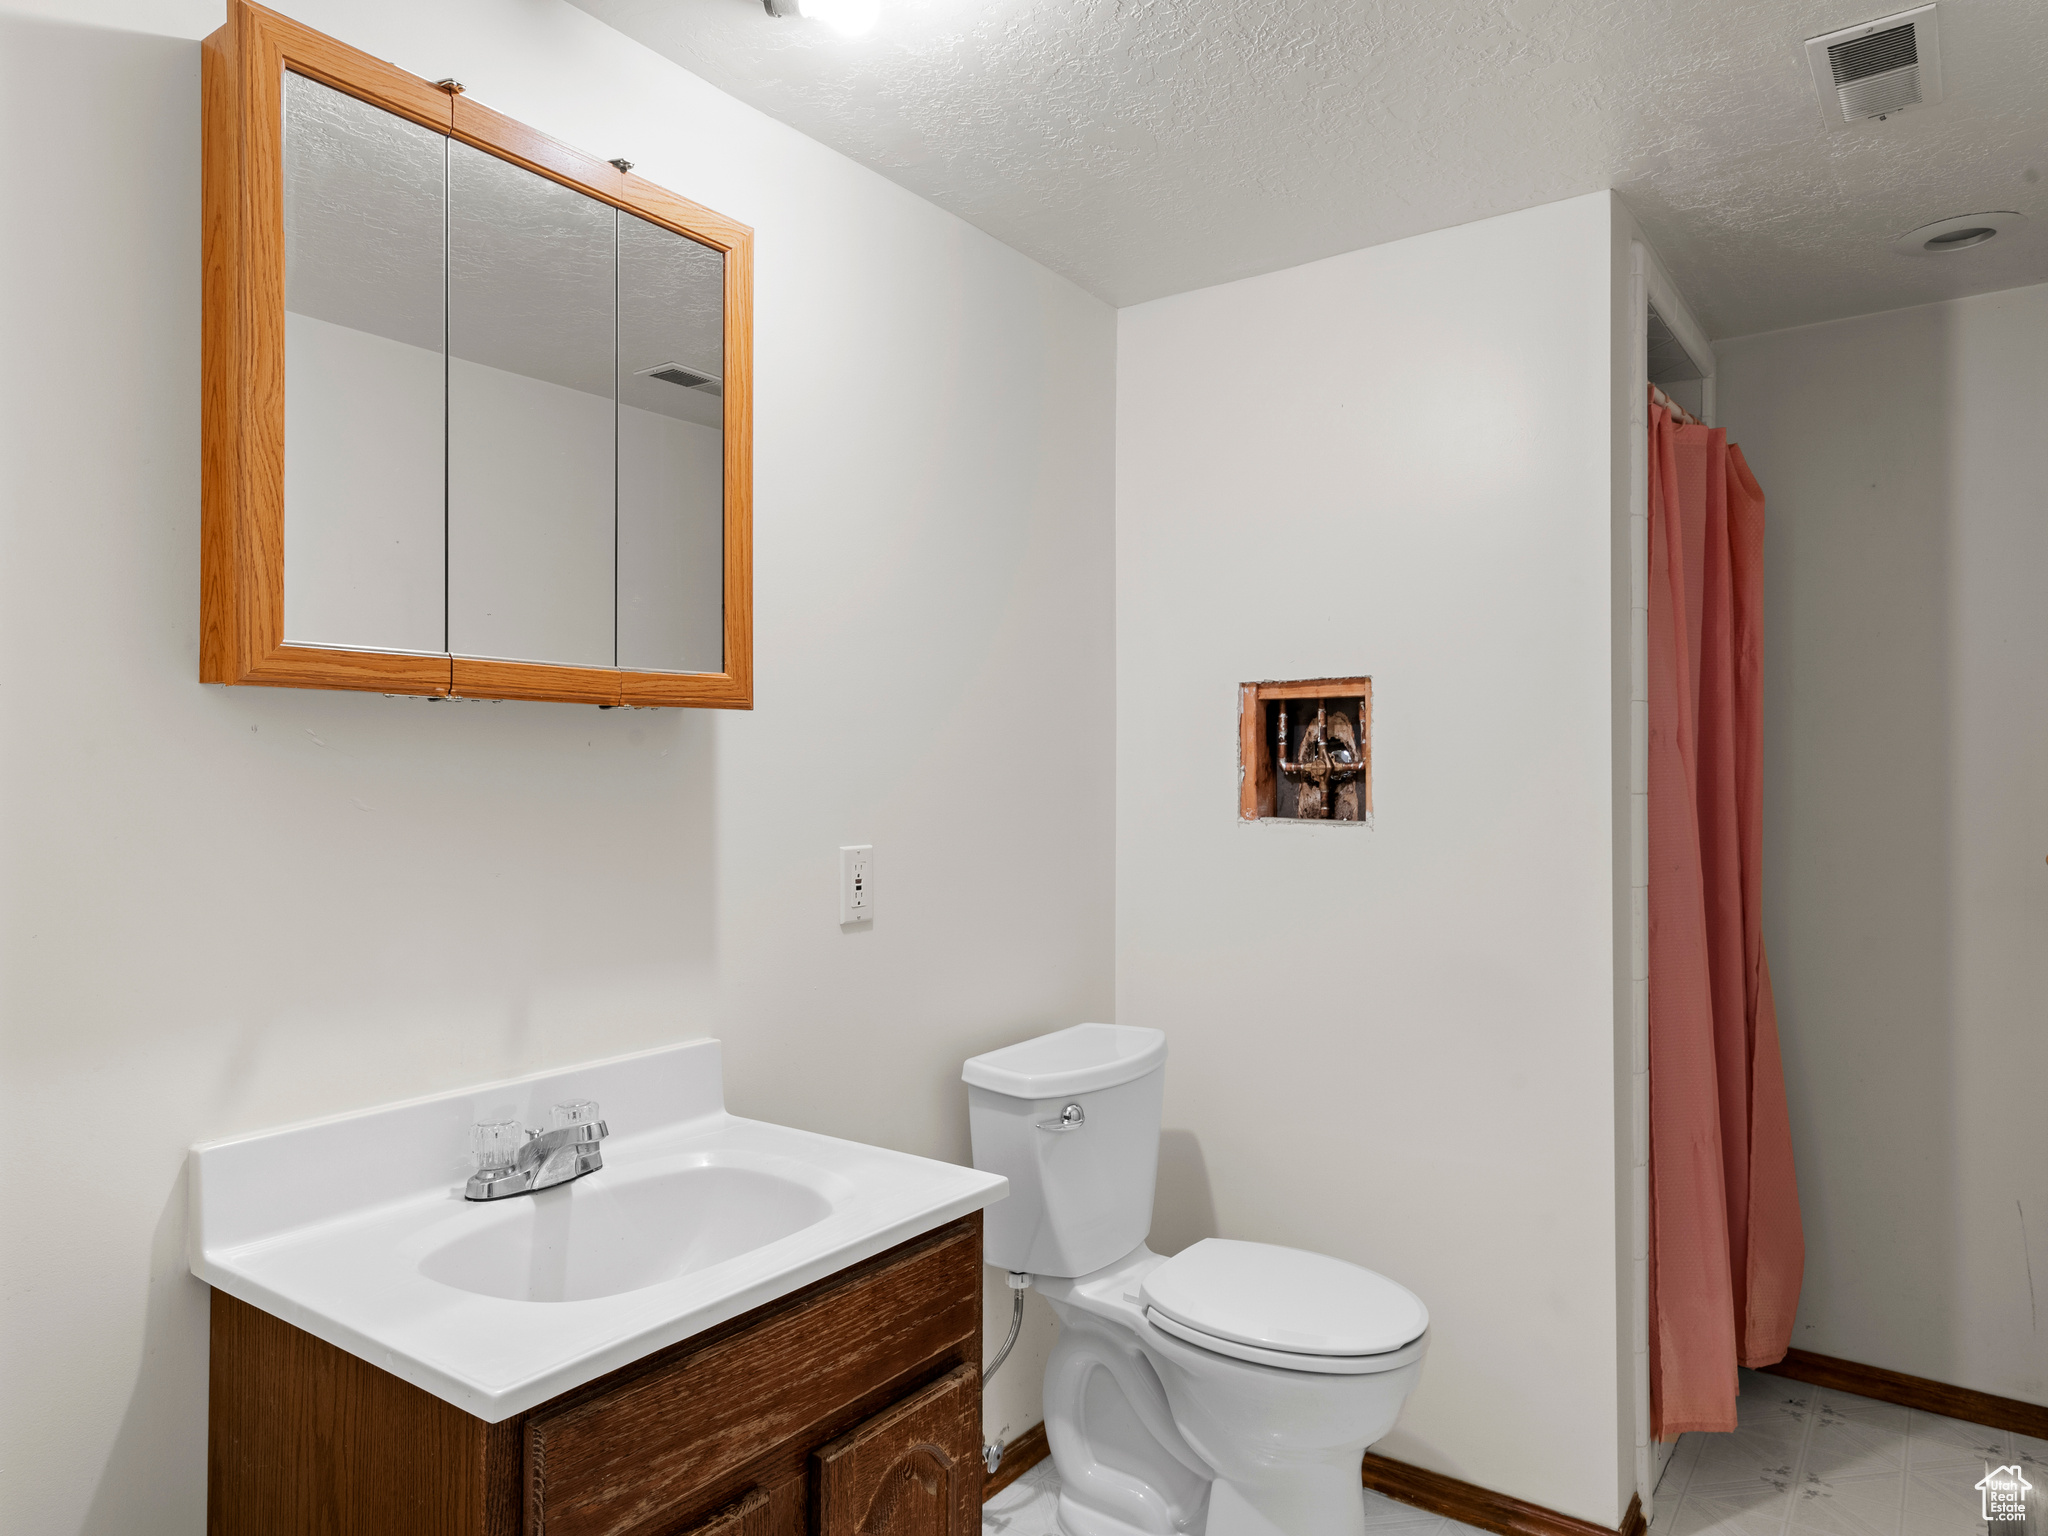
1678 412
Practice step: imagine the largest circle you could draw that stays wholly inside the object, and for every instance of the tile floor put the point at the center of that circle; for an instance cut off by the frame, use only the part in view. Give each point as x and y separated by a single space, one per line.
1804 1462
1030 1507
1804 1459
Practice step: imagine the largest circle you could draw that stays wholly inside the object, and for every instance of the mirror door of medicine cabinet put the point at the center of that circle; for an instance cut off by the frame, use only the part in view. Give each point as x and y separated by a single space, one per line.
505 414
365 377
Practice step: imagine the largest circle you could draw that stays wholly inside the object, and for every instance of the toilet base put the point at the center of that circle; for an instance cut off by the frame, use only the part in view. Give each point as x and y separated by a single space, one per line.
1329 1511
1229 1513
1155 1437
1077 1519
1108 1426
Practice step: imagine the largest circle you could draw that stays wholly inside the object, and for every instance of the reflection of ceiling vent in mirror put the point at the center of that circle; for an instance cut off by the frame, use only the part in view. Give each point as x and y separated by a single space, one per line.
689 378
1878 68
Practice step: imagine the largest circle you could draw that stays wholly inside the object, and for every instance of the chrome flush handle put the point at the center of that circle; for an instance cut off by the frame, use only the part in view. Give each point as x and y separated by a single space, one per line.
1072 1118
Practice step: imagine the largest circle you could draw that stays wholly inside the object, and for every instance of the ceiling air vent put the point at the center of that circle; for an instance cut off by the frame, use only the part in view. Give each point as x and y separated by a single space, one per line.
1877 69
689 378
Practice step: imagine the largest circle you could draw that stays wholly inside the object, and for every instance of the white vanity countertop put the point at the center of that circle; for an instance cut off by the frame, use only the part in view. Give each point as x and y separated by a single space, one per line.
339 1226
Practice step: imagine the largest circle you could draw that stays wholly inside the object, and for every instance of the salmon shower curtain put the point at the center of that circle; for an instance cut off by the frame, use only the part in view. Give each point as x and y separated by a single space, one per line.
1726 1252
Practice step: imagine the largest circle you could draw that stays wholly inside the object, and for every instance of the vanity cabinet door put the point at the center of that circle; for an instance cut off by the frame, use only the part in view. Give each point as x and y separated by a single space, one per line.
912 1470
642 1456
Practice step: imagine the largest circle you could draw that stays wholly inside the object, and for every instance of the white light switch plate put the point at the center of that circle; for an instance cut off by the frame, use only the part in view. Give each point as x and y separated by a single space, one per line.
857 883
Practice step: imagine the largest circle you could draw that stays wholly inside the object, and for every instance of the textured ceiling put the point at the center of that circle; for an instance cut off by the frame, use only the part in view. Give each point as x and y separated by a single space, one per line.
538 277
1145 147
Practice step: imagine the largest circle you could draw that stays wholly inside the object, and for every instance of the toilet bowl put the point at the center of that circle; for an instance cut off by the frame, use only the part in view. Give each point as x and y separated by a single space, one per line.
1230 1390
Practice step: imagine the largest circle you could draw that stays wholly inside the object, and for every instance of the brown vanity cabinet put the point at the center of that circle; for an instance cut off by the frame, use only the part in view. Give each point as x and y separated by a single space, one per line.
850 1408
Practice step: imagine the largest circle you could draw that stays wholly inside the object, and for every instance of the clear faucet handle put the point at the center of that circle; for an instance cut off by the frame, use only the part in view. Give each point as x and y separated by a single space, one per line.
575 1112
496 1143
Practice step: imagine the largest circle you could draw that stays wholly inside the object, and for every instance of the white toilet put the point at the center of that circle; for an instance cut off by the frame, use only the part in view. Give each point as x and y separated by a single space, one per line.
1228 1391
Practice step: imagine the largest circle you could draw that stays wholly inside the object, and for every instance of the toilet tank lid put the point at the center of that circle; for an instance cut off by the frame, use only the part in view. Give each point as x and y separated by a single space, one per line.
1076 1060
1285 1299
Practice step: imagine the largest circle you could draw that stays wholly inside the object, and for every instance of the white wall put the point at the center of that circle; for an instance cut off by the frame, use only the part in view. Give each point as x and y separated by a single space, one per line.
532 518
528 519
365 489
1394 1043
671 543
229 908
1905 467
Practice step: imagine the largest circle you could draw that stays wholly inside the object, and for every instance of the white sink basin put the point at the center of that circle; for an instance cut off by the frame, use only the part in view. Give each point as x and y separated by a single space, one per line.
355 1228
599 1237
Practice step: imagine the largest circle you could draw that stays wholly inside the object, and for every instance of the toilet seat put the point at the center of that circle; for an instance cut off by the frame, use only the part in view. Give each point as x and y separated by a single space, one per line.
1284 1360
1283 1307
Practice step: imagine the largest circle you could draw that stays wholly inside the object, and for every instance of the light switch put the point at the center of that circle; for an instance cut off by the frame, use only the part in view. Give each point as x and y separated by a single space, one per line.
857 883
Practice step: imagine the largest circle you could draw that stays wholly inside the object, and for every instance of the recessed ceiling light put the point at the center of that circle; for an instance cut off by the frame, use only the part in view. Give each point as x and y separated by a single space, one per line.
1956 234
849 18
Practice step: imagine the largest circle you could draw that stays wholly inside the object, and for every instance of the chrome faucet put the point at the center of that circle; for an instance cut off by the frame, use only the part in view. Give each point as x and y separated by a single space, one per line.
512 1160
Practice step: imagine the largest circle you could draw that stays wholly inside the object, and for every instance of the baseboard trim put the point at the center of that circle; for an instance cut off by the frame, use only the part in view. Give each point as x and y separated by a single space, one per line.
1440 1495
1913 1392
1031 1448
1482 1507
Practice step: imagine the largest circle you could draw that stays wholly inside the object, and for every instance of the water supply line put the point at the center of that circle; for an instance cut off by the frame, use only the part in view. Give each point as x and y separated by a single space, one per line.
992 1450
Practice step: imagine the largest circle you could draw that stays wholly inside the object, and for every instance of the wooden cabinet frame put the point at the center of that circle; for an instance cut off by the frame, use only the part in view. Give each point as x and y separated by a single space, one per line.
242 403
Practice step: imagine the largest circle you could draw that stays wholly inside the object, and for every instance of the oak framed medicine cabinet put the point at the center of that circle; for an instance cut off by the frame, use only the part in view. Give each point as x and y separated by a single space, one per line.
561 248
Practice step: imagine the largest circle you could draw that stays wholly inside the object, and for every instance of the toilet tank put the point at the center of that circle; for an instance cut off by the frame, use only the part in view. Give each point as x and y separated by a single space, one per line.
1080 1186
